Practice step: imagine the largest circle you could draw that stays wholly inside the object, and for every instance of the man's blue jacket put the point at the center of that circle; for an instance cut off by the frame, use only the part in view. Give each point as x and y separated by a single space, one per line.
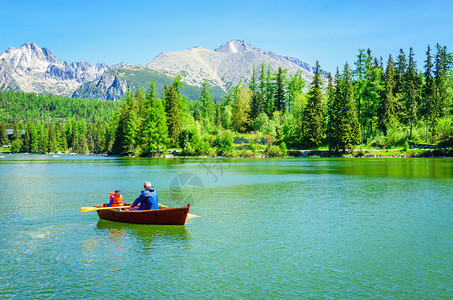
147 199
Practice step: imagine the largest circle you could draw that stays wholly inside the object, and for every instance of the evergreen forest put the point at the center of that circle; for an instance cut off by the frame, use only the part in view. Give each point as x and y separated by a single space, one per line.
372 104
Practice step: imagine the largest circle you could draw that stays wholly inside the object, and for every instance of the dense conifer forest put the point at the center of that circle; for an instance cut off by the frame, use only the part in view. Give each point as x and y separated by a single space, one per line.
395 103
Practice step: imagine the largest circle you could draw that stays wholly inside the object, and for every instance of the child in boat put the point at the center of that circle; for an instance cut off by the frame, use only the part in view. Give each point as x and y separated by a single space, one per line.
116 199
147 199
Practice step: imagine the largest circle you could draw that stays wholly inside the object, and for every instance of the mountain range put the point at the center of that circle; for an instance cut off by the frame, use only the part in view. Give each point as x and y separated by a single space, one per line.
30 68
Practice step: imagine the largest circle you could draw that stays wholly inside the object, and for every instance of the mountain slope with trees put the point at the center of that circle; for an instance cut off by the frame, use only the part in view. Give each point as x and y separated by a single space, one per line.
371 105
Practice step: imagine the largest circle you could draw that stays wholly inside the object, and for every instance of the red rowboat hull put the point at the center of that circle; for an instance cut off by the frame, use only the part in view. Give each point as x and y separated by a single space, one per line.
162 216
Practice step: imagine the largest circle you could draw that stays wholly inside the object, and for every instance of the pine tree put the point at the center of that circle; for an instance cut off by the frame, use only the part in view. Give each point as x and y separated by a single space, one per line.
400 71
349 126
97 133
400 86
387 105
79 133
31 138
279 97
360 81
179 85
256 105
91 137
25 146
155 125
208 103
429 96
52 138
218 113
67 128
333 95
130 128
16 142
268 94
139 106
43 139
412 92
253 87
111 138
313 118
371 95
126 131
173 113
262 84
62 143
440 77
3 134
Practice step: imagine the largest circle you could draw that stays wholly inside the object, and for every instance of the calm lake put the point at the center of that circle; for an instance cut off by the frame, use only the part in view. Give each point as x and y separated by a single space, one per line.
269 228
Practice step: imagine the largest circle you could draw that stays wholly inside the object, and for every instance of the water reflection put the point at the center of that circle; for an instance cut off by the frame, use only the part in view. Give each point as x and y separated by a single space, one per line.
146 235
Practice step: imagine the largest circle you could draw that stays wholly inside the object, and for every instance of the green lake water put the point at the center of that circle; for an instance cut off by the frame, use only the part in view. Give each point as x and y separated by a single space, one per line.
269 228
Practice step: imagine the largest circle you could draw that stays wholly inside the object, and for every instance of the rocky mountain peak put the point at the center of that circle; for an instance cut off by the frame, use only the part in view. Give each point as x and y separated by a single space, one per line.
235 46
34 69
225 66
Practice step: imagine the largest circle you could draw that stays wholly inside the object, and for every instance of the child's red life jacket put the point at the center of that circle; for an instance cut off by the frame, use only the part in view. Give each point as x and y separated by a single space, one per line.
115 199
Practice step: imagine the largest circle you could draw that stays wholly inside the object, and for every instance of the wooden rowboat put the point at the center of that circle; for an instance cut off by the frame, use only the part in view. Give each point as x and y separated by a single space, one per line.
161 216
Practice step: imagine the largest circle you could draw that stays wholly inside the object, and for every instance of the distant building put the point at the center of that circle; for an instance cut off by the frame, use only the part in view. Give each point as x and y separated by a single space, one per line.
11 131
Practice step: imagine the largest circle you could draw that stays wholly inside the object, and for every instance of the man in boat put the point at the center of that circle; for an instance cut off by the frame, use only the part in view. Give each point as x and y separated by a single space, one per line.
147 199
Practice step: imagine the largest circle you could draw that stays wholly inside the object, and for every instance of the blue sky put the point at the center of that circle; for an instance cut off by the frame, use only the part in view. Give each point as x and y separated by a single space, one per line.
136 31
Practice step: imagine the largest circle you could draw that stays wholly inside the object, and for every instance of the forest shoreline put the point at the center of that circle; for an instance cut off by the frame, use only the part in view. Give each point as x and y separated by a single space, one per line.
292 153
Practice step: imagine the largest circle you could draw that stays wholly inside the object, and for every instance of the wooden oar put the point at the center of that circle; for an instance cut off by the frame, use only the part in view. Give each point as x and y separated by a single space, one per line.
189 215
93 208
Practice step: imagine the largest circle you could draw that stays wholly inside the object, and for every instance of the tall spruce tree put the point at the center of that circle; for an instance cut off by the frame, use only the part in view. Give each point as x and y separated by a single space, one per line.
313 118
61 138
279 97
411 92
25 146
387 106
400 71
440 77
173 113
400 85
429 96
333 95
3 134
52 138
269 102
208 103
256 105
31 138
126 132
155 124
360 81
16 142
218 113
349 126
252 85
372 95
43 139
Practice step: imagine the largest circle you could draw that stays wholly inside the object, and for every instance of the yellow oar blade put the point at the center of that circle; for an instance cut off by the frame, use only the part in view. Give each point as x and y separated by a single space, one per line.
190 216
88 209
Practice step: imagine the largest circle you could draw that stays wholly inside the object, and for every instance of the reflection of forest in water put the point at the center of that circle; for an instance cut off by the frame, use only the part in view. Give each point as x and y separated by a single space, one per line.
123 236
